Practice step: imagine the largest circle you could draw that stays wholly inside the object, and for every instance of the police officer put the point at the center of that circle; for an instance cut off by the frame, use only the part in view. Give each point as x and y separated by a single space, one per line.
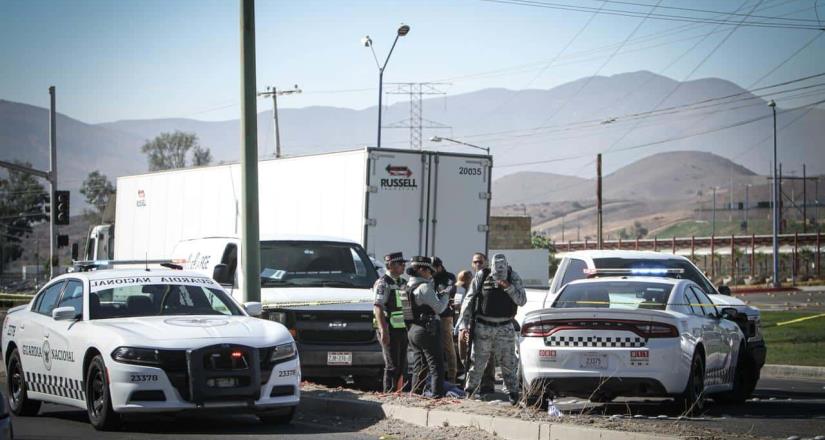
389 315
422 306
445 283
490 306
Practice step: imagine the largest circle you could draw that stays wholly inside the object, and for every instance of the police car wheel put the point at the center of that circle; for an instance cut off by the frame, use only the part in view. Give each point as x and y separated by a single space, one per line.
741 376
692 400
98 399
17 388
277 418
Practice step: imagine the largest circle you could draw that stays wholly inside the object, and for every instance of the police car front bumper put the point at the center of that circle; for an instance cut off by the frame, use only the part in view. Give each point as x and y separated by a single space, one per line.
320 360
145 389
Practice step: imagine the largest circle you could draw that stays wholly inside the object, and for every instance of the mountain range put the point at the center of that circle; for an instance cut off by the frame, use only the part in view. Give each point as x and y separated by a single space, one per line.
540 131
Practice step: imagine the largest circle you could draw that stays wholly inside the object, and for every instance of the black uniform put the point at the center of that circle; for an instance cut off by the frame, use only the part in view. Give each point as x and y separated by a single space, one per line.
388 294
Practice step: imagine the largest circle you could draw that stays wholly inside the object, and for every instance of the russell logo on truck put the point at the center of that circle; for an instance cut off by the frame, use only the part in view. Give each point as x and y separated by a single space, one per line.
400 178
141 199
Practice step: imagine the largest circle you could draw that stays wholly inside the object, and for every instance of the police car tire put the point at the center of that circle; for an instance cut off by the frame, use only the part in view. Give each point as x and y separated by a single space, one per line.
692 400
22 405
102 417
277 418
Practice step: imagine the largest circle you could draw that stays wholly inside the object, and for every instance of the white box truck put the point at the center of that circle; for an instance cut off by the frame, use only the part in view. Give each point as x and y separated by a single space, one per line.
322 216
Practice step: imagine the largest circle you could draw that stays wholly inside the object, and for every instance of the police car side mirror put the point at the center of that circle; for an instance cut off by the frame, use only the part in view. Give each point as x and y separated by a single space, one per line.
729 313
724 290
253 308
221 274
64 314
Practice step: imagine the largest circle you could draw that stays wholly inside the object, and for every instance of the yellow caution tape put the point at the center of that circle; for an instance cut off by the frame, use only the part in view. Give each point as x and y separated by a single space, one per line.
793 321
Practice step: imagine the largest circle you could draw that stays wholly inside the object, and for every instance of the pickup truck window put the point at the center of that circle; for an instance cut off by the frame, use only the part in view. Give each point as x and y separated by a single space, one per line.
315 264
575 271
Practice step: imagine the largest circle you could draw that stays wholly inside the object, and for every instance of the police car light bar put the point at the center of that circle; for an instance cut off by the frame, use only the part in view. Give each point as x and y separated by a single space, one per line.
89 265
661 271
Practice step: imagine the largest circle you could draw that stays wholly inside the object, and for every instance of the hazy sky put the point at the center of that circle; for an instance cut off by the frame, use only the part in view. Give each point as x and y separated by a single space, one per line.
122 59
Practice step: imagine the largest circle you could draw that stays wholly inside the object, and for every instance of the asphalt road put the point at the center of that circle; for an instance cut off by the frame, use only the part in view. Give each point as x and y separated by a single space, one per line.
779 408
62 422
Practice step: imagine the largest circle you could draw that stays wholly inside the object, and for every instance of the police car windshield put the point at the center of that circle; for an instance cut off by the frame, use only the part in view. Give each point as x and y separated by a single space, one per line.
159 299
628 295
315 264
689 271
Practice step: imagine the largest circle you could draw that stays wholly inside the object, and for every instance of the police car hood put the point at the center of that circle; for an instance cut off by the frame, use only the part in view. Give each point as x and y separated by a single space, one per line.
145 330
303 297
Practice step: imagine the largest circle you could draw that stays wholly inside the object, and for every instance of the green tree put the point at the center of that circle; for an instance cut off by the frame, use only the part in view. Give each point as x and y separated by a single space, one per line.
98 190
638 230
170 150
23 203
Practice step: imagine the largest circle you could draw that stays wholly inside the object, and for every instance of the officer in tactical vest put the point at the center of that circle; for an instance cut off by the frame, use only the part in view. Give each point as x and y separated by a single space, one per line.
422 306
389 315
489 307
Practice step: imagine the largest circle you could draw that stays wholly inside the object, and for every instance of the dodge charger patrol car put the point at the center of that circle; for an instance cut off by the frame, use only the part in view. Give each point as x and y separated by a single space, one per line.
114 342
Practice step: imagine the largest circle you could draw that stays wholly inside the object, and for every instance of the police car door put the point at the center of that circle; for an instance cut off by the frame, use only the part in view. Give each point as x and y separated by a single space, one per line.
34 348
61 336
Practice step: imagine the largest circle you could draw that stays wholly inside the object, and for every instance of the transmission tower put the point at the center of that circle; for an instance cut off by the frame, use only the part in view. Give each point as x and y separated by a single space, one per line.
416 122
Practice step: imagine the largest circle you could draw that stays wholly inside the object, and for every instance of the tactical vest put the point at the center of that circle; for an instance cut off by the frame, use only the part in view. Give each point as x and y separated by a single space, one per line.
495 302
414 313
395 306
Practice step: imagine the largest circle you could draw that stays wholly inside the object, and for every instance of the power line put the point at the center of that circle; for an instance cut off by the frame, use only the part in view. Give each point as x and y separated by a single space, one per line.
627 13
705 11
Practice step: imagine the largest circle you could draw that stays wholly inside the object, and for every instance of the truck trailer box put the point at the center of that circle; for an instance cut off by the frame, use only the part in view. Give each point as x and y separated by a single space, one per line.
417 202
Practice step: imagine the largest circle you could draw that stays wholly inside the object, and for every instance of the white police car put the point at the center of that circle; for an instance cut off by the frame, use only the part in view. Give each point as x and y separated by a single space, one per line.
634 336
133 341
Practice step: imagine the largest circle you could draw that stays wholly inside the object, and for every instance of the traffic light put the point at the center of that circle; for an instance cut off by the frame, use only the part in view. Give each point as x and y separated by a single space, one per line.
62 207
62 240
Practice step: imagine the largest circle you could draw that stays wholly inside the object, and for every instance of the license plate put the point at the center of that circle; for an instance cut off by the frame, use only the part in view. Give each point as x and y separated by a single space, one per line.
223 382
339 358
593 361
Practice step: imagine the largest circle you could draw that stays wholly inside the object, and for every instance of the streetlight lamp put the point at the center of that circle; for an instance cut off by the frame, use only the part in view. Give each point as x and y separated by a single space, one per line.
367 42
775 197
439 139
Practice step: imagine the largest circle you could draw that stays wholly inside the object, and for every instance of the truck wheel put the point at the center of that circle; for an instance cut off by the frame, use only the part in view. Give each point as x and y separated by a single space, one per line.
19 400
98 398
692 399
277 417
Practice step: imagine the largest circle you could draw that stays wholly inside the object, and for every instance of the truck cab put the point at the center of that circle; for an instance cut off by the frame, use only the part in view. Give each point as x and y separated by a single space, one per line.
100 243
320 288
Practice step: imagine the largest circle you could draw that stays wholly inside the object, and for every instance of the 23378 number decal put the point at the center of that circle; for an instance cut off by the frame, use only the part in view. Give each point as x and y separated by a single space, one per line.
469 171
143 377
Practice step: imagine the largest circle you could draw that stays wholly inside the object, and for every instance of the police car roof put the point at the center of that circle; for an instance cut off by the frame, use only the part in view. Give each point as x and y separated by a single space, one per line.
631 255
631 279
134 272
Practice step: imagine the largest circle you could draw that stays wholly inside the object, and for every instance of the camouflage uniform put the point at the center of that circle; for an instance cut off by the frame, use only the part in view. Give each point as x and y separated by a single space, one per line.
493 336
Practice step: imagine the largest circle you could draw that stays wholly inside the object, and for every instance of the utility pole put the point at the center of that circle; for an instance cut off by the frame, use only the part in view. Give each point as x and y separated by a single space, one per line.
578 232
599 225
804 200
562 227
52 183
747 205
274 92
250 239
713 221
780 196
775 241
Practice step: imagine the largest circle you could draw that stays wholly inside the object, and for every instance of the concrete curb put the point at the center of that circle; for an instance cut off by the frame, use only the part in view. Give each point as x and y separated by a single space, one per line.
505 427
793 371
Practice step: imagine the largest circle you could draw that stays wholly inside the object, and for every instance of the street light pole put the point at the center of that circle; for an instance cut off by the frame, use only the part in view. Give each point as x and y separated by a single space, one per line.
52 182
713 221
775 221
367 42
440 138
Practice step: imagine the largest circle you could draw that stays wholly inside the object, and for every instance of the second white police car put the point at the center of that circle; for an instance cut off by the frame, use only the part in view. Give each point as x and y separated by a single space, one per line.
634 336
132 341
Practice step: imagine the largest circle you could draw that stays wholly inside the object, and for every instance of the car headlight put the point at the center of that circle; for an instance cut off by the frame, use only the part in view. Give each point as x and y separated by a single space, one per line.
278 317
283 351
133 355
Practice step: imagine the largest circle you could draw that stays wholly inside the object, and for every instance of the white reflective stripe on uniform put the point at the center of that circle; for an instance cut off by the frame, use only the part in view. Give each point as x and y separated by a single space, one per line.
55 385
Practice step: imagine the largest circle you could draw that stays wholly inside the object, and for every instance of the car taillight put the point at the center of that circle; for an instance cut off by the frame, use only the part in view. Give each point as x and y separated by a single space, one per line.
657 330
537 329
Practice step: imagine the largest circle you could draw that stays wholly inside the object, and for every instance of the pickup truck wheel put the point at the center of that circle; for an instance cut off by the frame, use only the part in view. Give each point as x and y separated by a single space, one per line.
98 398
17 388
741 381
277 417
692 399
